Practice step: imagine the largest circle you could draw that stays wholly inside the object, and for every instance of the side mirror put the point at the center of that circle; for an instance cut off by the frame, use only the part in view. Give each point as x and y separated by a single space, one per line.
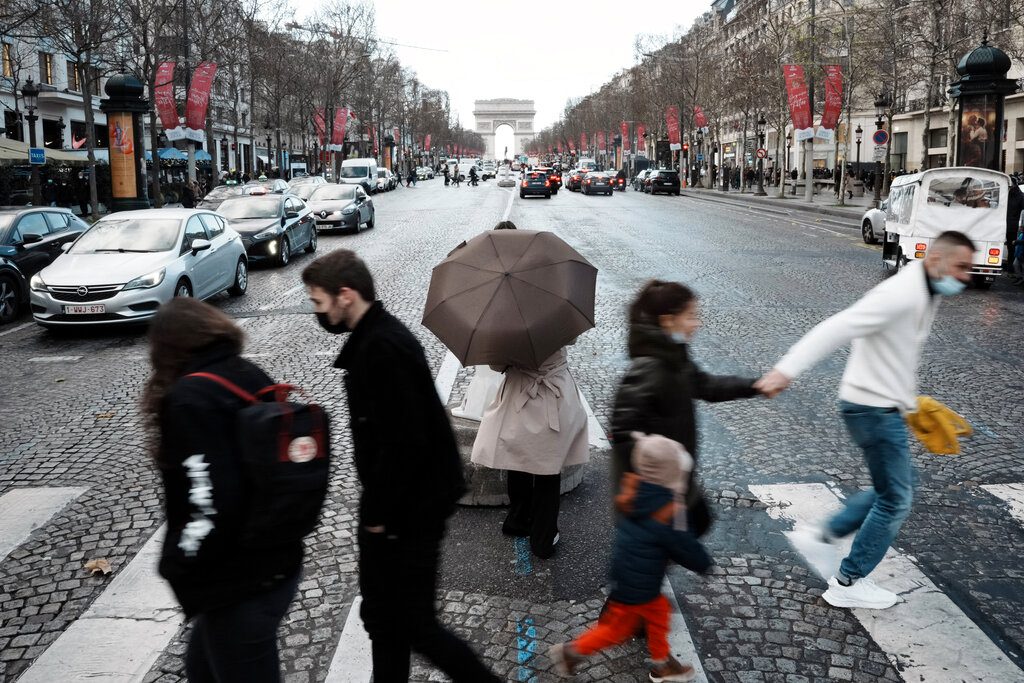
199 245
66 246
291 214
31 239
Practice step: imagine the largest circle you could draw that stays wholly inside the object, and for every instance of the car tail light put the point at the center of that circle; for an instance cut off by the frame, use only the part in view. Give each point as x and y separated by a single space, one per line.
920 246
993 259
995 252
918 254
547 183
524 183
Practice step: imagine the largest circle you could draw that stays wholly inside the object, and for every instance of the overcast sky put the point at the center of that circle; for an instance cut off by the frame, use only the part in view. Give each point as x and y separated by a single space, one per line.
546 50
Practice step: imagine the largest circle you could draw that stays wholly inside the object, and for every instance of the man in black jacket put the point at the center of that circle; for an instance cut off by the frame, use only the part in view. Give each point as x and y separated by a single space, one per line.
409 467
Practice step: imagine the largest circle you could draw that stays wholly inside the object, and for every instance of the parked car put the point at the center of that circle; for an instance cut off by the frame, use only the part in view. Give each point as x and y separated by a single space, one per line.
575 179
273 227
535 183
664 180
488 170
342 207
13 291
554 177
32 237
872 223
597 182
218 194
128 263
386 180
424 172
272 186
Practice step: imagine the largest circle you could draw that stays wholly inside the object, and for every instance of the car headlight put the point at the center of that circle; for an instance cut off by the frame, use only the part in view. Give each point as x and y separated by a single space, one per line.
147 281
349 210
37 284
266 234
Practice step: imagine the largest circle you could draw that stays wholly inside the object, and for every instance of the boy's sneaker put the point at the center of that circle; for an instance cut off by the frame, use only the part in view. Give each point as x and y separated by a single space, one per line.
565 658
863 593
672 670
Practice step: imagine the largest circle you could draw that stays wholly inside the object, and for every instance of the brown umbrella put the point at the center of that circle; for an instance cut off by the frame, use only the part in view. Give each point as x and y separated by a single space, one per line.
510 297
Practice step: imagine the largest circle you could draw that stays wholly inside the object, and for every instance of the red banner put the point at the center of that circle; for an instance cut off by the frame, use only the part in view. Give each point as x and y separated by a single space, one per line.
373 137
600 141
833 101
338 132
640 143
163 96
672 123
426 142
583 142
320 124
799 102
624 130
699 118
199 99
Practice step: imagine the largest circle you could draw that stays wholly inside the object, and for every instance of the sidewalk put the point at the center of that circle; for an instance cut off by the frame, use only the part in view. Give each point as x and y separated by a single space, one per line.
825 202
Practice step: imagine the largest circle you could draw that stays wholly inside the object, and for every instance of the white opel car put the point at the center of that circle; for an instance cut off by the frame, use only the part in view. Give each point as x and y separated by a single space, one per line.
122 268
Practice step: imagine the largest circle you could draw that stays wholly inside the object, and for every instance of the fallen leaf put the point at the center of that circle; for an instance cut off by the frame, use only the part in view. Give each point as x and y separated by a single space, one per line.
104 416
99 566
59 379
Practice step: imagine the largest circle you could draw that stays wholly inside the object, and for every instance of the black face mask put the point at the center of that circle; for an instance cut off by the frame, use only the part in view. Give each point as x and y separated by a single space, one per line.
333 328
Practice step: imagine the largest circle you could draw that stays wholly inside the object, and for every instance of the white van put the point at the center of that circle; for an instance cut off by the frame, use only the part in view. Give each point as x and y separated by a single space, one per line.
360 172
921 206
587 163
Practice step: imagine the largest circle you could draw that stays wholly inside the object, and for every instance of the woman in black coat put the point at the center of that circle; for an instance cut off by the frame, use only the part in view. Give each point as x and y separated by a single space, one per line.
235 596
657 392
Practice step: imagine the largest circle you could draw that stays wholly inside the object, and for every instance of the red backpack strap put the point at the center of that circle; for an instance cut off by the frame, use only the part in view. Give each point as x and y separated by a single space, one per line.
280 391
230 386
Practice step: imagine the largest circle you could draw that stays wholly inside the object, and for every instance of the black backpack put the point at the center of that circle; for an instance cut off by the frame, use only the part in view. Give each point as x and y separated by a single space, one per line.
285 453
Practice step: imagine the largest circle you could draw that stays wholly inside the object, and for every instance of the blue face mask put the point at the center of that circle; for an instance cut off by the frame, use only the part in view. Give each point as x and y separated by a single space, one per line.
679 337
947 285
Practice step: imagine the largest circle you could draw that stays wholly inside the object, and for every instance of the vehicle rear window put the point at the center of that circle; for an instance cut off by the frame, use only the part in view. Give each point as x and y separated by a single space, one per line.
534 176
667 174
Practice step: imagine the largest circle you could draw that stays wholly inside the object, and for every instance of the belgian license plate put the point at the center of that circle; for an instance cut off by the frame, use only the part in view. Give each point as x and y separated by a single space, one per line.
91 309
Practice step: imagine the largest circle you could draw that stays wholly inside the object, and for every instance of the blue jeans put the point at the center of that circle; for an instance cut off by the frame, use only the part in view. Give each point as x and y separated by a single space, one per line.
876 515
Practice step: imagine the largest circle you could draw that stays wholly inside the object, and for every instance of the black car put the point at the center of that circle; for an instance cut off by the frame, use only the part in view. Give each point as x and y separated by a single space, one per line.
272 226
535 183
265 186
664 180
13 291
597 182
32 237
554 177
575 179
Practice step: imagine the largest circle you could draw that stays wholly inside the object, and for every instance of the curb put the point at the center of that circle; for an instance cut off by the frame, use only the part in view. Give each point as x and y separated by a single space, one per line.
853 213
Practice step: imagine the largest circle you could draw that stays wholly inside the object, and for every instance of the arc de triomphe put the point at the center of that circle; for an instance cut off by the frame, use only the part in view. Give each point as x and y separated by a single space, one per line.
490 114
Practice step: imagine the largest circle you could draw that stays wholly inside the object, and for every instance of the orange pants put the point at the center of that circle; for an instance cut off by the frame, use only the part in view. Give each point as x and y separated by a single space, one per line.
619 622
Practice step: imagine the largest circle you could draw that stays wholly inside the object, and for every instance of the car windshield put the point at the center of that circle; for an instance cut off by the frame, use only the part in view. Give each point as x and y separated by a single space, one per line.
305 190
223 191
239 208
355 171
333 192
129 235
381 173
667 174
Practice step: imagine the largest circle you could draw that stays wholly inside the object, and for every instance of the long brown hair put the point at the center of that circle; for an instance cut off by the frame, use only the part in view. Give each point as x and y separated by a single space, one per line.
182 328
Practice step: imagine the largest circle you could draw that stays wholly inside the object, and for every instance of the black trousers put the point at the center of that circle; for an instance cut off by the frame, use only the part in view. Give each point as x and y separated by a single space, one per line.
398 581
533 509
238 643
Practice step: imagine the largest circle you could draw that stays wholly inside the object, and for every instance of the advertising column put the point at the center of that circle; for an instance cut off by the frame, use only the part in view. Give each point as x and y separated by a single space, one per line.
124 107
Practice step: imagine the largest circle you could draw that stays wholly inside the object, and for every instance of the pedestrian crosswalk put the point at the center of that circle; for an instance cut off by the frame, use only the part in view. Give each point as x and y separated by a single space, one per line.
926 636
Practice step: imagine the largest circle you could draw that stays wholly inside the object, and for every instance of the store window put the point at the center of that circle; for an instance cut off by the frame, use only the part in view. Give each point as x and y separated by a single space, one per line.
7 59
938 137
46 68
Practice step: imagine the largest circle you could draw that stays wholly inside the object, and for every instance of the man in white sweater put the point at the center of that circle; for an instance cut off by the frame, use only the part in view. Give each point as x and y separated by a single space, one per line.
886 330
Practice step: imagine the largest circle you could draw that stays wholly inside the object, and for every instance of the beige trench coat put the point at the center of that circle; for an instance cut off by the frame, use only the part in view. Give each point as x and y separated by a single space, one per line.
536 424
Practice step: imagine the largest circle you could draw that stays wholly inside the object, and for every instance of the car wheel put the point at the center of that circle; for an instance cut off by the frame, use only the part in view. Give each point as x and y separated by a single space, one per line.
311 247
10 304
241 278
547 196
868 232
522 196
183 288
369 223
677 193
284 252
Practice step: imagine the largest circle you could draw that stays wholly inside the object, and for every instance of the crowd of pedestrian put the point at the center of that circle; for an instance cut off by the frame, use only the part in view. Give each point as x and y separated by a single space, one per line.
411 477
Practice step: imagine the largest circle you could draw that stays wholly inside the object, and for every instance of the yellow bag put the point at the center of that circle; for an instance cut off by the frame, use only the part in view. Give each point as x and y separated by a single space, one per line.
937 426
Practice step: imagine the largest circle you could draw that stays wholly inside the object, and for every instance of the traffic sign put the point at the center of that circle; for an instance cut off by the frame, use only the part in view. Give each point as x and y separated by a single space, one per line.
37 155
700 157
762 153
879 154
880 137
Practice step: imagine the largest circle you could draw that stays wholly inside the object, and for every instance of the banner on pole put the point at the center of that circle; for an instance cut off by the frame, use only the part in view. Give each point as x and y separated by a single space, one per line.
583 142
601 144
833 102
426 142
624 130
672 123
641 144
166 107
699 118
320 124
799 102
198 101
338 130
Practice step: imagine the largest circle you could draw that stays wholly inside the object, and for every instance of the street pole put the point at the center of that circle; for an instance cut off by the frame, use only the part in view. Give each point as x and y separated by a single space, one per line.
29 93
189 144
809 144
761 123
859 132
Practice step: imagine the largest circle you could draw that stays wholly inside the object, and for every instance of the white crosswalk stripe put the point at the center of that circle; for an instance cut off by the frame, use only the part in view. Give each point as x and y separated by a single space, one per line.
925 635
1013 494
22 511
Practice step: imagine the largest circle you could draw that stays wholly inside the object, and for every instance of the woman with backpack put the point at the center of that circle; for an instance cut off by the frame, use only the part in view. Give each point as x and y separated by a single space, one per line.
234 595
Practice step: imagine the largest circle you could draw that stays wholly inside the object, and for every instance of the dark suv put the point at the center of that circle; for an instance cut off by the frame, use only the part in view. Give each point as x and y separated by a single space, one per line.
535 182
554 177
664 180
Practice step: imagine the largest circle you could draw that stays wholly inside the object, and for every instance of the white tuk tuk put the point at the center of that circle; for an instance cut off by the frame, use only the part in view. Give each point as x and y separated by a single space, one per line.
921 206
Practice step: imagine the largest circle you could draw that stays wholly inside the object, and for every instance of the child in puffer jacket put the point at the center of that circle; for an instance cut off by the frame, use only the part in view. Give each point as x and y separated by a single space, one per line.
650 533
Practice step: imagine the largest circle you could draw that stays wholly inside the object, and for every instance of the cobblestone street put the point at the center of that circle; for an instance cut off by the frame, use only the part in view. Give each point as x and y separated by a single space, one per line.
72 430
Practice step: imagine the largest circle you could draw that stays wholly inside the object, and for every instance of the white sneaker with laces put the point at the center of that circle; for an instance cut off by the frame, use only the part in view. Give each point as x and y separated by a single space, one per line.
863 593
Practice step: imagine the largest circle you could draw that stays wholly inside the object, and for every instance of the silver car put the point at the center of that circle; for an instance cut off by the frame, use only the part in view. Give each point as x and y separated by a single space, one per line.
872 223
122 268
341 207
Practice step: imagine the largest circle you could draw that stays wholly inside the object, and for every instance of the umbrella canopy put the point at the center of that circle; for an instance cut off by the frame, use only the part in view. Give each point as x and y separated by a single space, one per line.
510 297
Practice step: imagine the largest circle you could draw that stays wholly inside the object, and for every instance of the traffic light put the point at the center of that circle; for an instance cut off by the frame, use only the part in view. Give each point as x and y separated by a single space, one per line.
686 147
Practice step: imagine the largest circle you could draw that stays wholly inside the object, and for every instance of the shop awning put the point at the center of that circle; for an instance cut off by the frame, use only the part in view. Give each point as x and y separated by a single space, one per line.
203 155
261 158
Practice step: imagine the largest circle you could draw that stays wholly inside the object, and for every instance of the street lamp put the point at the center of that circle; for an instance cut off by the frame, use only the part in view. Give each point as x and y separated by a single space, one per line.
789 143
882 104
30 94
762 127
700 151
266 127
859 131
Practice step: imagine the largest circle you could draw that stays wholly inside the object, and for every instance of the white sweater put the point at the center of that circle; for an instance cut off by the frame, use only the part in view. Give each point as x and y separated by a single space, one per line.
888 327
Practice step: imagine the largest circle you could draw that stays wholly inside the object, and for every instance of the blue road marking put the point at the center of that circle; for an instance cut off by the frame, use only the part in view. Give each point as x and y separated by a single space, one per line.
524 565
526 646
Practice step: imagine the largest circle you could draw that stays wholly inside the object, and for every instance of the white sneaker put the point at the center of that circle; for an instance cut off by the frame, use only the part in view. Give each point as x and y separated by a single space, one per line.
863 593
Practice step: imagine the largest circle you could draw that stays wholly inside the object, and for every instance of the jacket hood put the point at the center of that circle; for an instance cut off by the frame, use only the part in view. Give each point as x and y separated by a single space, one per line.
639 499
650 340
